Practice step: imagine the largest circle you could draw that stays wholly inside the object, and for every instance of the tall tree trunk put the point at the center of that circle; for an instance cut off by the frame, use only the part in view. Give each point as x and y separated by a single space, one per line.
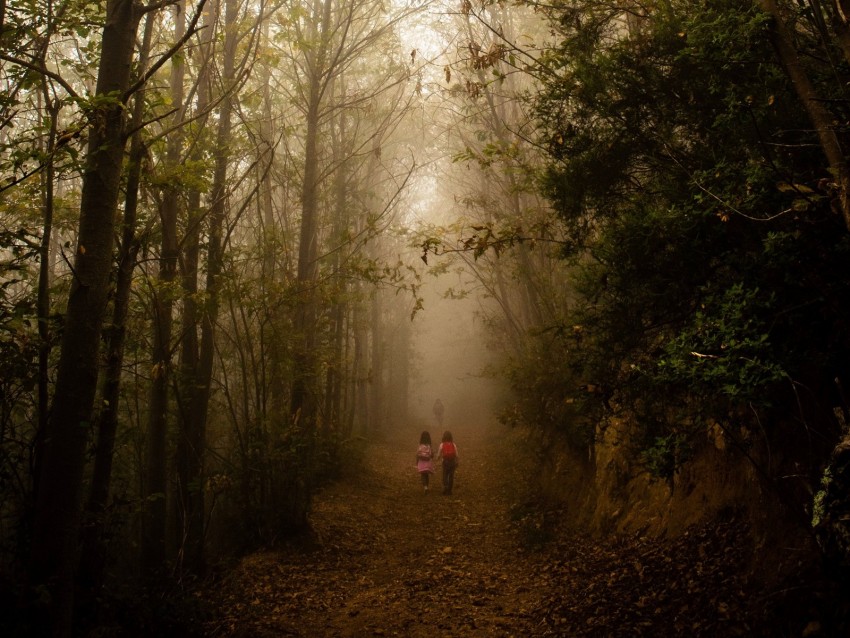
193 439
58 505
44 270
335 368
360 407
267 154
155 517
303 400
303 389
256 483
376 398
346 387
189 273
92 557
52 107
397 357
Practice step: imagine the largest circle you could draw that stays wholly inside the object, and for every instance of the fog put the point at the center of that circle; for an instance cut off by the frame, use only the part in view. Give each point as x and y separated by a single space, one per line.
451 361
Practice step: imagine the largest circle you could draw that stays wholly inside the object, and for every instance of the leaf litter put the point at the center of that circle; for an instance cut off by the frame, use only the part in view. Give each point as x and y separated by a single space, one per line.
392 560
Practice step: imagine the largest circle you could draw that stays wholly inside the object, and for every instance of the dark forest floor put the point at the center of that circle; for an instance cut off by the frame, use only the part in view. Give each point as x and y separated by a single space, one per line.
391 560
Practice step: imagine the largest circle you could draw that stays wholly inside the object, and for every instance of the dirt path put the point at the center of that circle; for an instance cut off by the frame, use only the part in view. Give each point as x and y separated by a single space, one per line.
394 560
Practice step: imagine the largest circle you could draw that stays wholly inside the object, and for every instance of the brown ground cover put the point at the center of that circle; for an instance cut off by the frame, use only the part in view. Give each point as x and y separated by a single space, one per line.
390 560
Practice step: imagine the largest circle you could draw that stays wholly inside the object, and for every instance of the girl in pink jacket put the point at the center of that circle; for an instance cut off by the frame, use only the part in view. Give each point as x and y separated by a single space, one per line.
424 462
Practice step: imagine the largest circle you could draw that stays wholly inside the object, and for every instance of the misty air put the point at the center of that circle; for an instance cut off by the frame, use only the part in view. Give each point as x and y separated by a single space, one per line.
349 318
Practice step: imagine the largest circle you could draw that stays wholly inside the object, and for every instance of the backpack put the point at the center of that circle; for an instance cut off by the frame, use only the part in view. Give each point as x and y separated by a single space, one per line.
424 452
449 451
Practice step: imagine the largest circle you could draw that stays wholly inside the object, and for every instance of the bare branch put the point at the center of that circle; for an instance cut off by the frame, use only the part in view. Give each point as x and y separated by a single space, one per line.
192 30
40 69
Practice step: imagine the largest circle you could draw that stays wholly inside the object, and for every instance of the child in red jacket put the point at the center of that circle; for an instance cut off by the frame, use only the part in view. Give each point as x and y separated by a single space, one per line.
448 452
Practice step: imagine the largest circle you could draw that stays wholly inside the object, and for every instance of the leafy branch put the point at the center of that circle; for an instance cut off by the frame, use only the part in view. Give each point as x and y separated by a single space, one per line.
484 239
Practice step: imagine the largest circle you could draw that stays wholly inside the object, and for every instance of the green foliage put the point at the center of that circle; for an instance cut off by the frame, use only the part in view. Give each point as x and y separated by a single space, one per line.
548 391
725 349
19 350
818 510
665 454
710 263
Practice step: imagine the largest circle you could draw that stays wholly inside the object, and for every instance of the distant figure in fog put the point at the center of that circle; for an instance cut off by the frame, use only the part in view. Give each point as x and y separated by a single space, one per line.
438 411
424 462
448 453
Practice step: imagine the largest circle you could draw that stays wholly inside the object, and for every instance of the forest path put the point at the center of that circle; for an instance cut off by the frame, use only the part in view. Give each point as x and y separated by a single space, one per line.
394 560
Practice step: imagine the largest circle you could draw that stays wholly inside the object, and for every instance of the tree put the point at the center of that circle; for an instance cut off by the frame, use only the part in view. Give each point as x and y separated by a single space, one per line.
194 435
58 504
320 30
331 40
687 194
209 143
507 241
154 520
822 119
93 558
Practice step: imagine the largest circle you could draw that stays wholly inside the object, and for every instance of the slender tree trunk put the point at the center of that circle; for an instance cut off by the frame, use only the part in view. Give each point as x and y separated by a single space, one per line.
303 399
154 547
401 371
346 387
333 384
266 215
360 408
822 120
190 265
335 368
303 406
52 107
376 401
44 270
58 506
255 481
266 199
194 438
92 558
172 203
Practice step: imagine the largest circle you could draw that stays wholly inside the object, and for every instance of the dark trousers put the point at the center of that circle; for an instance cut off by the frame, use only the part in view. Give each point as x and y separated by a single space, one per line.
449 467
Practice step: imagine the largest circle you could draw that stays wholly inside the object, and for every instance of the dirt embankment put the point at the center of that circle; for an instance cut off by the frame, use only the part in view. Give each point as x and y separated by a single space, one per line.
490 560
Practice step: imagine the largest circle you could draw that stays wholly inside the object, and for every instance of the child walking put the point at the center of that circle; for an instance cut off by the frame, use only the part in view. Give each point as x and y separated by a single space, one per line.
448 452
424 462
